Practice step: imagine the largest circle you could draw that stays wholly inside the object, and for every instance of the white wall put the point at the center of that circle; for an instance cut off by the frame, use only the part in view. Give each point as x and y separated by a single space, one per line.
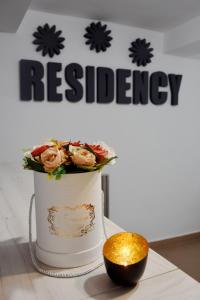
155 185
184 40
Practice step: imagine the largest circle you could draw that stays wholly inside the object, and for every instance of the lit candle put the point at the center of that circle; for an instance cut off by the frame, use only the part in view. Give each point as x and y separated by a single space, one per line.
125 256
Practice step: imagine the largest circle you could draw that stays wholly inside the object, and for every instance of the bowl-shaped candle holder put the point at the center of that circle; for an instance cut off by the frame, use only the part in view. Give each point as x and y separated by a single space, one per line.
125 255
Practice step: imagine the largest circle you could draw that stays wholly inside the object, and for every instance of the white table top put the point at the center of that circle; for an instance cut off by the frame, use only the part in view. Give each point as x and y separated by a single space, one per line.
18 280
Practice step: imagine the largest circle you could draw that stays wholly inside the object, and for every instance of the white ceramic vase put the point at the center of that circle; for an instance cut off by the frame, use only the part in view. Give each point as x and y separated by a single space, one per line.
68 219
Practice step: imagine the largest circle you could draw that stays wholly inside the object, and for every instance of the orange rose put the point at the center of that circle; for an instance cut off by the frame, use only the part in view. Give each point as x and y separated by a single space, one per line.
83 157
52 158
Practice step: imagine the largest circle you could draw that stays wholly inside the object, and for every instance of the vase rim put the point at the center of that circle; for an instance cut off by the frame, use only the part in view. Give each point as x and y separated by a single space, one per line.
78 173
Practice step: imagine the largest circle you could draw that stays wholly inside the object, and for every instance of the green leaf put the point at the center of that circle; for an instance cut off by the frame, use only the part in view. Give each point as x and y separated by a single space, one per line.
58 176
60 170
32 165
66 147
105 162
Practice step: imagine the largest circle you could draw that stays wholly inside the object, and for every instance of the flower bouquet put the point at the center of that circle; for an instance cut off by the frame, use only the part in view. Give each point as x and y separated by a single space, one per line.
68 210
65 157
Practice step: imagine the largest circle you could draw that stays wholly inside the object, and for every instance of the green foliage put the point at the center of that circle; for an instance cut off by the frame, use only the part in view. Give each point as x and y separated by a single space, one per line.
58 172
62 153
105 162
64 169
32 165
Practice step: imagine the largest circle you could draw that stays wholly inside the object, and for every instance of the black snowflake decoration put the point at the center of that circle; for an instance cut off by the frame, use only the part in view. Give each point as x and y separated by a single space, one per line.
48 40
98 37
141 52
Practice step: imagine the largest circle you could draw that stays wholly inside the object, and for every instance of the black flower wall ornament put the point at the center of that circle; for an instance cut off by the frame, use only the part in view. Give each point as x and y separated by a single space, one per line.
141 52
48 40
98 37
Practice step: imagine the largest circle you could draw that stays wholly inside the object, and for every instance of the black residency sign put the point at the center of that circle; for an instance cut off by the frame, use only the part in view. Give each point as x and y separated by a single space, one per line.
101 84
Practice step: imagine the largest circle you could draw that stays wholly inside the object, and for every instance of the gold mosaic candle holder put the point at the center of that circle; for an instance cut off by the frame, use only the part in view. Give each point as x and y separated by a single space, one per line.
125 256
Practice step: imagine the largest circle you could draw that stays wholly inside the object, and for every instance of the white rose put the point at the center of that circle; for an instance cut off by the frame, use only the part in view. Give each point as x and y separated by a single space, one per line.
28 154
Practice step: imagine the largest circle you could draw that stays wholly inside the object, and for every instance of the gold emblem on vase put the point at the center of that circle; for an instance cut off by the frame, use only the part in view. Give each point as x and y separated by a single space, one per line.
69 221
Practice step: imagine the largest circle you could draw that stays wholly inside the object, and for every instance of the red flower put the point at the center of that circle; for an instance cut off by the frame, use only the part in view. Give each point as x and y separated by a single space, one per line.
100 153
39 150
75 144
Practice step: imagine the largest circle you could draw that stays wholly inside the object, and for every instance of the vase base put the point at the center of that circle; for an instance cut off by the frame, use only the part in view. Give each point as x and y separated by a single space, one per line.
69 260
